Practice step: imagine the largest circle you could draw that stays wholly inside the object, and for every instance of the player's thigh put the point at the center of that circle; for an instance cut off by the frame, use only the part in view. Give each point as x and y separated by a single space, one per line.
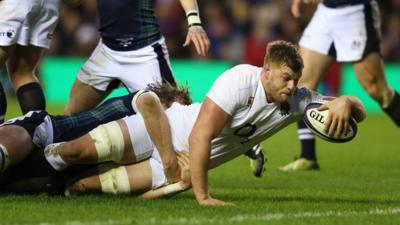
22 64
83 97
315 67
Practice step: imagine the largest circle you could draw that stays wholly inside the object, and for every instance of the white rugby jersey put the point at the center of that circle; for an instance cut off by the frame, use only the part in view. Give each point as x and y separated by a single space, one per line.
239 92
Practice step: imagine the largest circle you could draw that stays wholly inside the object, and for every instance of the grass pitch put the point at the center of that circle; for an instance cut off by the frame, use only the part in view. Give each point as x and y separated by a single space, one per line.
358 184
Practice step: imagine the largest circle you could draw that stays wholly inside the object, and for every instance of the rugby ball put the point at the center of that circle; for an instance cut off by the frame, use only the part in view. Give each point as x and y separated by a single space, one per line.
315 121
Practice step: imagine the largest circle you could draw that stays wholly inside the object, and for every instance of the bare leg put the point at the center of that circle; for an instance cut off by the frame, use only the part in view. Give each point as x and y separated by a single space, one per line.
139 178
371 75
83 97
21 65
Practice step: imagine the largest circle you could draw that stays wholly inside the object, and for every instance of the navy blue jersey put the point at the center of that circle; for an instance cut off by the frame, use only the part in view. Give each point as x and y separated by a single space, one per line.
127 25
341 3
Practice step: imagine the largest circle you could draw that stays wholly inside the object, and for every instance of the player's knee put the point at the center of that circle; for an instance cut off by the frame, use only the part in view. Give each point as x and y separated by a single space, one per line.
4 158
115 181
109 142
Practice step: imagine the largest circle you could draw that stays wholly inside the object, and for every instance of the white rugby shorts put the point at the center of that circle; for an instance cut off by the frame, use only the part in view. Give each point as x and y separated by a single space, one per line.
28 22
347 33
135 69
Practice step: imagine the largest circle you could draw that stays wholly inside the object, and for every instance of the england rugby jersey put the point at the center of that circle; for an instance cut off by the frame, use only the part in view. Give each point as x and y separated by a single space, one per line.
240 93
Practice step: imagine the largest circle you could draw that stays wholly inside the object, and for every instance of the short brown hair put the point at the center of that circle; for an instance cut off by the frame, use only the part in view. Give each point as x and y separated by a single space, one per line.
284 53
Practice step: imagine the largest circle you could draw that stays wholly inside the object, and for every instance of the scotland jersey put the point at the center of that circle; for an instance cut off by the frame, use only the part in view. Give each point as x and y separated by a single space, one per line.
127 25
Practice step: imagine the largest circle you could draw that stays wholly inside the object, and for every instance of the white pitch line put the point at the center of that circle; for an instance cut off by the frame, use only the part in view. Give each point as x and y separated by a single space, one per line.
274 217
238 218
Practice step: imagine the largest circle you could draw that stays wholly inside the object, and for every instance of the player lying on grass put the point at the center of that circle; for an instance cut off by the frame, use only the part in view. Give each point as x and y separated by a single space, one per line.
245 106
21 138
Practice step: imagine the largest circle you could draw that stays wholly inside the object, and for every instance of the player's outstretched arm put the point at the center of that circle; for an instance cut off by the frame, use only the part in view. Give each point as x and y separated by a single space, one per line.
209 123
340 110
157 125
196 33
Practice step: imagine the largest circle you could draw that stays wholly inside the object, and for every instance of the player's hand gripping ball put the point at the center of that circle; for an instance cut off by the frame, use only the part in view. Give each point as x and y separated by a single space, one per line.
315 121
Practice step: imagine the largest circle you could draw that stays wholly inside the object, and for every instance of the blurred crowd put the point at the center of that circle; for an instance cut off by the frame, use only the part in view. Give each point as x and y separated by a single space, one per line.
238 29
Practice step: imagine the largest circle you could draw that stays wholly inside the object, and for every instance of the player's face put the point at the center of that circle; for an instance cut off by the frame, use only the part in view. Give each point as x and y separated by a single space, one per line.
280 83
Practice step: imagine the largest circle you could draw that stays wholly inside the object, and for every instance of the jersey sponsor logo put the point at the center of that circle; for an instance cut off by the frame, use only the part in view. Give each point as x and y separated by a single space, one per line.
10 33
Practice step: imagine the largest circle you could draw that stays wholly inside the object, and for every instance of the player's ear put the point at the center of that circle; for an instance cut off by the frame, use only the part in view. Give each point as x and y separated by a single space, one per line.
266 70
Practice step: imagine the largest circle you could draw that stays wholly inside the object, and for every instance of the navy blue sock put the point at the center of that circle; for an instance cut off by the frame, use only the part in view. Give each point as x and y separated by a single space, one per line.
307 139
31 97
